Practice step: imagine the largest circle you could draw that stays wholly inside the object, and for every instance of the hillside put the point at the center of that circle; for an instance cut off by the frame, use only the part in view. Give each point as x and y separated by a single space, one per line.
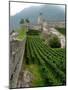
50 13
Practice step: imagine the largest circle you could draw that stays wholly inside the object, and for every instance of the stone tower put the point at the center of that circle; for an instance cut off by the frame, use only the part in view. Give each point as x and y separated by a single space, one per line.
40 21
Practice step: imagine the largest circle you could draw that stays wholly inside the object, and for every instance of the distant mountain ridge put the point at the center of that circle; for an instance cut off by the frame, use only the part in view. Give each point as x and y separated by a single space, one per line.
49 13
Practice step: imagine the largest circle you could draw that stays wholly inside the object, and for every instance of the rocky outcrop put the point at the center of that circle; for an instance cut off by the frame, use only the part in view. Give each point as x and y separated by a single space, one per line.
25 79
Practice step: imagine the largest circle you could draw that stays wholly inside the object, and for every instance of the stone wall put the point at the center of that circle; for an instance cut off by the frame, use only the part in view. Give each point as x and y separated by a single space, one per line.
56 24
16 58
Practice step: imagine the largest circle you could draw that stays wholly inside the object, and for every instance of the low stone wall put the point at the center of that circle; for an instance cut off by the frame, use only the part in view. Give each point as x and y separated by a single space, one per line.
16 58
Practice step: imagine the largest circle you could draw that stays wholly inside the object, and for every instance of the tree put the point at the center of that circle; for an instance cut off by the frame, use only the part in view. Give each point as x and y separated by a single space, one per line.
27 20
40 13
22 21
54 42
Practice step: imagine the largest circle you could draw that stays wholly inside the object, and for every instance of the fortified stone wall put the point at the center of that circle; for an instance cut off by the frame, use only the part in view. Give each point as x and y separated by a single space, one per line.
16 58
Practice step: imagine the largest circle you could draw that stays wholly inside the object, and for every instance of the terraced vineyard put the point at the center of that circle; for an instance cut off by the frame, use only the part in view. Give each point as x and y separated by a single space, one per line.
49 62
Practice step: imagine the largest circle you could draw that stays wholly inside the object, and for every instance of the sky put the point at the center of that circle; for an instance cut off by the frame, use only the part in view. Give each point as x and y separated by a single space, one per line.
16 7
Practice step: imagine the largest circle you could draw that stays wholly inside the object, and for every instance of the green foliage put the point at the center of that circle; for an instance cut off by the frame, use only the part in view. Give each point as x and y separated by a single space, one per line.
54 42
22 21
50 62
21 33
61 30
37 78
33 32
27 20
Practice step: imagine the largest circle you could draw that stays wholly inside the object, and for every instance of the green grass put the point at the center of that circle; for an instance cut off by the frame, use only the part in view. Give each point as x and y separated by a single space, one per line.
37 78
22 33
33 32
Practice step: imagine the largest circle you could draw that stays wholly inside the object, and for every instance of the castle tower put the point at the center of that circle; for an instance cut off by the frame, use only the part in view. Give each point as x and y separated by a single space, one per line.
40 21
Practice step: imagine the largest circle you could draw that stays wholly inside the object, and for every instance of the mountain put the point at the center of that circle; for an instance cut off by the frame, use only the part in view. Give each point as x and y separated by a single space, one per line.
49 13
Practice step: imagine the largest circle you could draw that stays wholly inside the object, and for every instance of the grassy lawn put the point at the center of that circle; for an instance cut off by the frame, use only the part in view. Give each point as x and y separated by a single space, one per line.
22 33
37 78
